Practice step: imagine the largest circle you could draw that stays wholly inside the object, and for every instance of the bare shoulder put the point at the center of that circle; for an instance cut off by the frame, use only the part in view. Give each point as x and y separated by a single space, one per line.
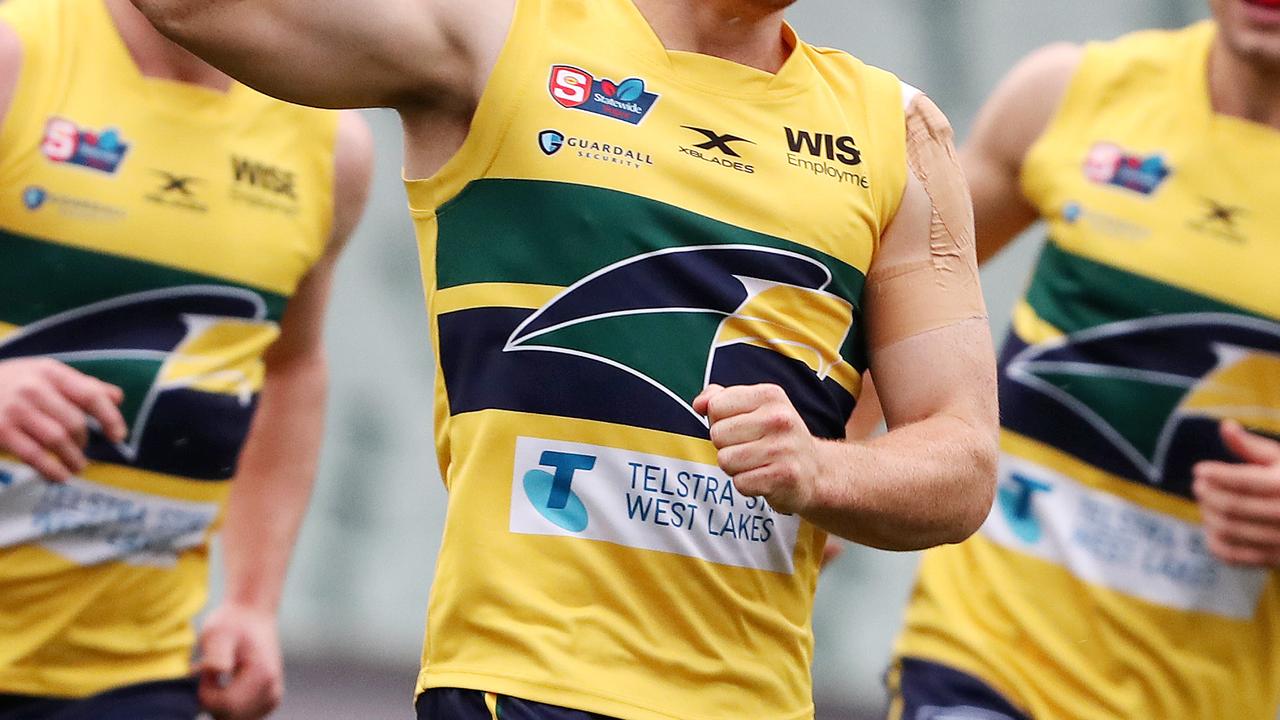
353 169
10 65
1025 102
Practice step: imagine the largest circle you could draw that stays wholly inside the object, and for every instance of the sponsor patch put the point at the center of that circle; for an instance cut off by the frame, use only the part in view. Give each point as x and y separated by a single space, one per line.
1117 544
91 524
576 89
648 502
67 143
1110 164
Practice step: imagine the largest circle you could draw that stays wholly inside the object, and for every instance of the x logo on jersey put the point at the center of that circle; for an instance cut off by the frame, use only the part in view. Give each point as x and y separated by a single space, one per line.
176 183
716 141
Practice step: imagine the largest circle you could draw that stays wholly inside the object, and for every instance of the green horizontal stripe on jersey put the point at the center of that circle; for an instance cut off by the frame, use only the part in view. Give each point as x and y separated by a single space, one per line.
514 218
40 278
1073 293
492 232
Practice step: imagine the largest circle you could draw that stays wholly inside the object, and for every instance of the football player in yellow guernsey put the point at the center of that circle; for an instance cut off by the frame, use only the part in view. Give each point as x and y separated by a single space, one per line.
167 238
1127 570
661 240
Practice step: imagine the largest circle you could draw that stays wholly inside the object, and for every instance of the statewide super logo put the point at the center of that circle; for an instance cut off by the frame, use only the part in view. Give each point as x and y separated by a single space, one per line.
1110 164
67 142
1143 398
577 89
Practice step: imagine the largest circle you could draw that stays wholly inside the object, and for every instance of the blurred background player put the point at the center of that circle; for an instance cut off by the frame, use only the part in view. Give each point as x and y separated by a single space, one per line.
645 198
1126 571
167 238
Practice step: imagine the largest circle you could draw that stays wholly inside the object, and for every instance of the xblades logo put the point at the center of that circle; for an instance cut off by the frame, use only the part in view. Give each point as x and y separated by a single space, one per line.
551 493
721 143
716 141
1220 220
177 191
176 183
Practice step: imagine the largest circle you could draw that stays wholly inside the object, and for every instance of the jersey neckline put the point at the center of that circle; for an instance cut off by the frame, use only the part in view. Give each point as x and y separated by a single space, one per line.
173 97
711 74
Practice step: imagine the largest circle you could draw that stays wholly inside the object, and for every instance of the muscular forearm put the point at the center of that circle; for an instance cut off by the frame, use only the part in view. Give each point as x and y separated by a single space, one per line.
273 487
925 484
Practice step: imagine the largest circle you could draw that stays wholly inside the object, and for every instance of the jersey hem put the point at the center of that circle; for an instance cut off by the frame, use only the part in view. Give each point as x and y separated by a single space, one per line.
29 684
571 698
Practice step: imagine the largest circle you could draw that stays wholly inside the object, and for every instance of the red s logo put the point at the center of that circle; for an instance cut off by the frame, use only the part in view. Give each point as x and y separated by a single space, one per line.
61 139
570 86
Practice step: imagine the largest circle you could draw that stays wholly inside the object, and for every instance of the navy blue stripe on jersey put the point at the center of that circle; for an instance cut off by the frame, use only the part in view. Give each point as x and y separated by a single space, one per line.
480 373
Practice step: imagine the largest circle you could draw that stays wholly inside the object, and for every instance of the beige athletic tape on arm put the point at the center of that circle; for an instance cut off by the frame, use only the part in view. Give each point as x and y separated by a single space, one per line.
933 285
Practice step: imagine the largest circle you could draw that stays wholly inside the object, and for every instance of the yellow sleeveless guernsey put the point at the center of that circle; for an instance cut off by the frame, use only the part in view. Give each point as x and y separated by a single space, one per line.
1153 314
151 233
623 226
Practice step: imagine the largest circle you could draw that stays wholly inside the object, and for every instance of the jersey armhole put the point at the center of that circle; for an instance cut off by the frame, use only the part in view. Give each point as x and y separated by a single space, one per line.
1077 102
36 29
499 104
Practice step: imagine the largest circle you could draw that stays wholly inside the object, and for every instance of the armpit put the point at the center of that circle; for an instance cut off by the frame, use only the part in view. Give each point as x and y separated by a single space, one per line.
918 286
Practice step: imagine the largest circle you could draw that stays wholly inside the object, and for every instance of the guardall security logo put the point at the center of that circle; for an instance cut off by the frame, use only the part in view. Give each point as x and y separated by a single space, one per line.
576 89
551 142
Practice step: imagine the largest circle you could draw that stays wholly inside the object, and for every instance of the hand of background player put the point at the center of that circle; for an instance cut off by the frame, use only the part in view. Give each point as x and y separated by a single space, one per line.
44 411
240 668
1241 503
763 444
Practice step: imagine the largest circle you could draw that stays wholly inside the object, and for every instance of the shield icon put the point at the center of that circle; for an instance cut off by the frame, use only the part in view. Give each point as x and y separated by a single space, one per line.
550 141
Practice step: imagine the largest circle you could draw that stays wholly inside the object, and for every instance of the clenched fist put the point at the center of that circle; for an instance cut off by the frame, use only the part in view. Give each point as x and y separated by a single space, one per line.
240 668
763 444
45 408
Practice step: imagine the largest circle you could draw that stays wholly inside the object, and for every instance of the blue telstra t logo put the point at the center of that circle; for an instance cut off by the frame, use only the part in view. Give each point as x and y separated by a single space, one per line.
6 479
1015 503
33 197
551 493
550 141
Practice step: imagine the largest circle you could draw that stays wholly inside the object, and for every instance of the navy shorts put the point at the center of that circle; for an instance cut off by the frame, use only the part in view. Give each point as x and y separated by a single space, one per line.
164 700
929 691
453 704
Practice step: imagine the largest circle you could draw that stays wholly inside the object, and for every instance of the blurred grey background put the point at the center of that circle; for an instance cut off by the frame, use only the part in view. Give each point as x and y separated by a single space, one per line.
356 598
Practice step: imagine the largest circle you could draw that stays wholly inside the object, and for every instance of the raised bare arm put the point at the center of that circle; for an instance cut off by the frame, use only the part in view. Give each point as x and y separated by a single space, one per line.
342 53
1013 119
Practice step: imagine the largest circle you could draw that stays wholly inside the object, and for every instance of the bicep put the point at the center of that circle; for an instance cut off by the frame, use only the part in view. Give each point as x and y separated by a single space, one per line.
930 346
337 54
1016 115
947 371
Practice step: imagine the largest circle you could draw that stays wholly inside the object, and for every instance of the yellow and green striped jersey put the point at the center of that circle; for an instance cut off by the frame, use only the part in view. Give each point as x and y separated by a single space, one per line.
1153 314
151 233
623 226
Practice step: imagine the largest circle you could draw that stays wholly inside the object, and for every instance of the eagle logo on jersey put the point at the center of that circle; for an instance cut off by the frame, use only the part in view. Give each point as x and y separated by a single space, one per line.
205 339
708 299
1155 389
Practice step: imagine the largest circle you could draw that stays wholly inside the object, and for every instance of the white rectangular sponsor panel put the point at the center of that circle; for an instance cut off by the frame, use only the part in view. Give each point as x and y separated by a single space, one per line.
1109 541
90 524
648 502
